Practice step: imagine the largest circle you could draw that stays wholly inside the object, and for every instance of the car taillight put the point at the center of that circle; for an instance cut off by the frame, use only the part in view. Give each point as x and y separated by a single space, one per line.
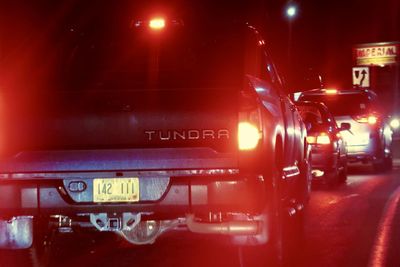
250 123
320 139
156 24
395 123
331 91
372 119
248 135
367 119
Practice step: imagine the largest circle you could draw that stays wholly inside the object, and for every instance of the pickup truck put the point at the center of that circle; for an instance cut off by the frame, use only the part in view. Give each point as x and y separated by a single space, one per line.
146 128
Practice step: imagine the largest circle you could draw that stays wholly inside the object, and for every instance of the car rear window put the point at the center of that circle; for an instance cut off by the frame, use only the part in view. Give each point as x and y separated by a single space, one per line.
343 104
306 111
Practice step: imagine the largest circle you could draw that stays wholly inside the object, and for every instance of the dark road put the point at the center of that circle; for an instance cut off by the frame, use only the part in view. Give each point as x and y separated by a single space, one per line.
344 226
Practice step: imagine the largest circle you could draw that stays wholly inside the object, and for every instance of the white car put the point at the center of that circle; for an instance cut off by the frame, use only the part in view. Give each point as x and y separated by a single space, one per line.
370 136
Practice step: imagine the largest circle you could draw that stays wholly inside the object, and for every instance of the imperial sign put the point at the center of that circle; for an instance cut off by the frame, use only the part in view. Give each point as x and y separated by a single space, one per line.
380 54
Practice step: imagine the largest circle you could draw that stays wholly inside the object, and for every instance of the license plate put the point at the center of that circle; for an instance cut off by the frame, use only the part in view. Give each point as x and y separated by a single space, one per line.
116 190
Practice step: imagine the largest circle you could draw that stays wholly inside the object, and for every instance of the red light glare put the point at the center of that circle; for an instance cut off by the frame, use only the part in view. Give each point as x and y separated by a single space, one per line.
321 139
372 119
157 24
331 91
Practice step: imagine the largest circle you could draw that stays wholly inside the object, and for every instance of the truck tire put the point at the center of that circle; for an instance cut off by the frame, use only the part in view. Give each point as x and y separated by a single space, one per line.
266 254
284 231
288 228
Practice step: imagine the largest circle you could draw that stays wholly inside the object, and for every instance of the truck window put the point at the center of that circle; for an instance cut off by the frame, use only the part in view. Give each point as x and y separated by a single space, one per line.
183 57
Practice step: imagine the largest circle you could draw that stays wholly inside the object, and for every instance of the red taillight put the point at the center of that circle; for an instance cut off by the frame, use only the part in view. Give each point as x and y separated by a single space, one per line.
320 139
372 119
331 91
248 136
250 121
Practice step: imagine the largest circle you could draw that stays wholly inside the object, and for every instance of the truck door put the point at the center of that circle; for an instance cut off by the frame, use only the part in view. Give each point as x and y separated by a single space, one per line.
290 122
259 64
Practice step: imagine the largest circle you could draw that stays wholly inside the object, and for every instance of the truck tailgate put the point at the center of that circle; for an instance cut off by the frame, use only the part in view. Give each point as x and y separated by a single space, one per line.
119 130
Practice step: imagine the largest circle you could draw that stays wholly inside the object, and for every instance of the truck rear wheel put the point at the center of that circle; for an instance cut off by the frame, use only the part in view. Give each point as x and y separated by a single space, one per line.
285 229
288 226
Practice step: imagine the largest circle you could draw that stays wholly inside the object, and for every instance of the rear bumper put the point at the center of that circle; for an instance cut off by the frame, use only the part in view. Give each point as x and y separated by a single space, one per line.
366 152
173 182
323 164
324 160
198 188
163 197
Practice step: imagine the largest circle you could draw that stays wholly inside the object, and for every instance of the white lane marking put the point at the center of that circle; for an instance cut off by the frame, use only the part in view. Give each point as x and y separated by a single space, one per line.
379 251
351 196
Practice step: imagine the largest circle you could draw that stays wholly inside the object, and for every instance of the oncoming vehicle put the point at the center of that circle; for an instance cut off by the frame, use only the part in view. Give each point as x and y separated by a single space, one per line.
370 136
146 126
328 150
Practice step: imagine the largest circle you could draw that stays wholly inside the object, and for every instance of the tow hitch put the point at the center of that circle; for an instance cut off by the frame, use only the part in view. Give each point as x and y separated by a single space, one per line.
140 232
131 227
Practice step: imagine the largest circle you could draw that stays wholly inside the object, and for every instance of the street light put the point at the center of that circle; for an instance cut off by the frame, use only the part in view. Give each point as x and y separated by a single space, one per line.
291 11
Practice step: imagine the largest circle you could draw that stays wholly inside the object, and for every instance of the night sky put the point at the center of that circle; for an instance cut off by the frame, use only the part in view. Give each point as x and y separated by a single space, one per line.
321 36
324 32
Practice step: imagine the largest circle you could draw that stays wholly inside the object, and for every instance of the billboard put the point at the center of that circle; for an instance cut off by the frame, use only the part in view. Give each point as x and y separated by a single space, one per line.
377 54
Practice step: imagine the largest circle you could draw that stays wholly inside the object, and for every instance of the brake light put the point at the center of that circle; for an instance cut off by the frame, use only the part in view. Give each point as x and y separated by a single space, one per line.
248 135
370 119
250 124
157 23
331 91
320 139
395 123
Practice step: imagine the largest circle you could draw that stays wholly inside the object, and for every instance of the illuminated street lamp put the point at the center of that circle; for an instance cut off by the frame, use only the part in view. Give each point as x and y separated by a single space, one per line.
291 11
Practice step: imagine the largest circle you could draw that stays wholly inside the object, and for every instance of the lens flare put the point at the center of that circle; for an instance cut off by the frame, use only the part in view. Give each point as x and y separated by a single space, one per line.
157 24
